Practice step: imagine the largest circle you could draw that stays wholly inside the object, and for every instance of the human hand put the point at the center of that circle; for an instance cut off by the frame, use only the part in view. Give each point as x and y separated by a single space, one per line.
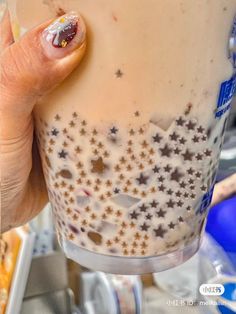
30 68
224 189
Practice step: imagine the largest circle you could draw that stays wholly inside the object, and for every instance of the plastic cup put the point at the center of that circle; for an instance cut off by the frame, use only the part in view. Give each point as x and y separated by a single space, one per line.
130 143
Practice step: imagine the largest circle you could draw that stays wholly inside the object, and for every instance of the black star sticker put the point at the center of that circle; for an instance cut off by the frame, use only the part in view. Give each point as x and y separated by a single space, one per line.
185 195
203 188
200 129
182 184
208 152
142 179
114 130
180 121
143 208
119 73
161 188
195 139
174 136
134 215
179 203
177 151
188 156
167 168
161 213
190 181
190 171
170 204
157 138
154 204
171 225
166 151
144 227
116 191
182 140
62 154
180 219
204 138
199 157
178 194
161 179
190 125
169 192
149 216
188 208
198 175
193 196
54 132
176 175
156 169
160 232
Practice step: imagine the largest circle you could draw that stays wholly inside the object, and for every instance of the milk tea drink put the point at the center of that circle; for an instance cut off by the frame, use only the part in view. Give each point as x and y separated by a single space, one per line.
130 143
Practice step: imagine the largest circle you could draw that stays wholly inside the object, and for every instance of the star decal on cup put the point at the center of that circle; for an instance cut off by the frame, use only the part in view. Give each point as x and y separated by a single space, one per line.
98 166
142 179
161 213
170 203
165 151
176 175
144 227
157 138
160 232
62 154
54 132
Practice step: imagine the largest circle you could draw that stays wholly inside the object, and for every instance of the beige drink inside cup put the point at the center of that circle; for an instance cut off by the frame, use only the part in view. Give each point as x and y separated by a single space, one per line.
130 142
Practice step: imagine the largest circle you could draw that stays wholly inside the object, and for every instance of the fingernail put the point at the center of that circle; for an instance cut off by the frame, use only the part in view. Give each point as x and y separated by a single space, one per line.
64 35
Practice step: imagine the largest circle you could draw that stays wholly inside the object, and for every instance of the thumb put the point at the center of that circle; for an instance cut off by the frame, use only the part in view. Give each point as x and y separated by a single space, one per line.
32 67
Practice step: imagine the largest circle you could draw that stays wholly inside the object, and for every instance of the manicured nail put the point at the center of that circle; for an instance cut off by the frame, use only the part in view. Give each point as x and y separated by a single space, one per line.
64 35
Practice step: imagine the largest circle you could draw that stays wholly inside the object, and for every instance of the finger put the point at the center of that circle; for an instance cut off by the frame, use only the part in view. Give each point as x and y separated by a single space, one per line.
6 35
32 67
224 189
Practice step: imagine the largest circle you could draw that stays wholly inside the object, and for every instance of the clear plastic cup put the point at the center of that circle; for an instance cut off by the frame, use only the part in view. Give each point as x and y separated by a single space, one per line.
130 143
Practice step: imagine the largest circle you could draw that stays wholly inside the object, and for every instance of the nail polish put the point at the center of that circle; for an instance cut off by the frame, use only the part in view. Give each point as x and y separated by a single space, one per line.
68 31
64 32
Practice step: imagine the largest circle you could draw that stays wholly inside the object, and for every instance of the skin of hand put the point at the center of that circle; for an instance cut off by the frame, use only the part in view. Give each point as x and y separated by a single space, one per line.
29 69
224 189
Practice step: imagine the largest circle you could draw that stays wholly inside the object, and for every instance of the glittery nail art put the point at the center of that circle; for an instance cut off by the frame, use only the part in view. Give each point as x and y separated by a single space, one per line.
64 30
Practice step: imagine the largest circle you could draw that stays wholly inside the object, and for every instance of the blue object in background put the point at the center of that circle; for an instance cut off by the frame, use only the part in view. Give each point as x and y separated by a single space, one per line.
225 310
221 225
230 295
230 291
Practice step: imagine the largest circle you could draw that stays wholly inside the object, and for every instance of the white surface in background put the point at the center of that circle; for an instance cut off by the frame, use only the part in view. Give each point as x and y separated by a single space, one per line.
21 272
157 302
